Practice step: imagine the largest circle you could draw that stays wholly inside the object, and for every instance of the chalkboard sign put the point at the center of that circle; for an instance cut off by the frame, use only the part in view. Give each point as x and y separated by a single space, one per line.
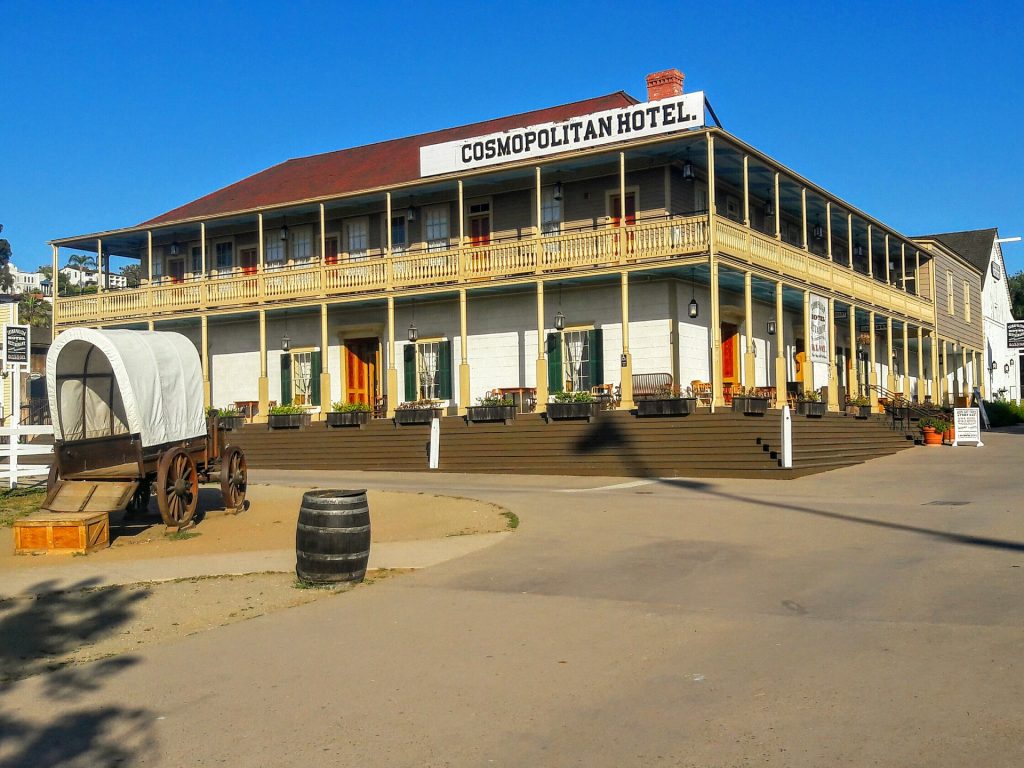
16 344
1015 335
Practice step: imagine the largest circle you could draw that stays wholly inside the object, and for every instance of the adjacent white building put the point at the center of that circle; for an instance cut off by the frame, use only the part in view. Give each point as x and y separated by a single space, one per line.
981 248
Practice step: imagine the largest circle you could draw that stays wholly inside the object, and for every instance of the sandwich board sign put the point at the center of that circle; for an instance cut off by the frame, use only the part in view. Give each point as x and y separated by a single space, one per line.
967 422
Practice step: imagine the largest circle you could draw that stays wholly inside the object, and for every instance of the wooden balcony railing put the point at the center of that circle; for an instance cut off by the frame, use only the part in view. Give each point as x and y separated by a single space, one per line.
661 239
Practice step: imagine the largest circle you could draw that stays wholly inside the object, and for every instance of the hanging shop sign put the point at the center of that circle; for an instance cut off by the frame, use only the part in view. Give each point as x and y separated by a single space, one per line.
1015 335
819 329
16 344
650 118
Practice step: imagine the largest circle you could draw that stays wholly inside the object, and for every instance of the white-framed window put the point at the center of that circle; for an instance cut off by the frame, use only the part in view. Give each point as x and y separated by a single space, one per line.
967 302
435 227
949 292
301 239
302 376
357 237
273 248
197 260
428 359
550 212
158 269
399 233
700 202
224 253
576 358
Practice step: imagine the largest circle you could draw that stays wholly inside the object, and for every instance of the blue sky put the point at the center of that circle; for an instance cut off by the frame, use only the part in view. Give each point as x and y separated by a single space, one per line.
115 112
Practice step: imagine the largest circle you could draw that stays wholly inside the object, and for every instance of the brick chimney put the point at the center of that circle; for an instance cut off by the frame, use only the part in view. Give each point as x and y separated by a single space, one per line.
665 84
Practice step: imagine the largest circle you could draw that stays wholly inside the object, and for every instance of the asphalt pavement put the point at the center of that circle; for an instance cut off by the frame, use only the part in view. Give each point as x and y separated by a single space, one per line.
867 616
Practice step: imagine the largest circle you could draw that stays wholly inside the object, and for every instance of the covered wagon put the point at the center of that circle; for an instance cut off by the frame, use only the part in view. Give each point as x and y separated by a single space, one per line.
128 419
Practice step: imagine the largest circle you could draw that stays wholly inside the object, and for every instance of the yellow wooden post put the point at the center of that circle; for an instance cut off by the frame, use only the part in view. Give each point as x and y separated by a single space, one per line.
717 381
621 238
803 217
781 374
849 239
325 375
389 269
828 228
778 211
264 382
852 383
746 190
323 267
55 287
464 392
205 349
888 277
833 374
463 268
905 378
944 382
203 288
749 358
871 258
626 384
918 394
260 273
99 269
809 382
890 378
392 384
542 362
903 266
872 371
538 250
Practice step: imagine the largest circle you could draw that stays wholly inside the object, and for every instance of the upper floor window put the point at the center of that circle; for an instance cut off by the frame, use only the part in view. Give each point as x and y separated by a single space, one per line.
273 247
967 302
225 253
550 211
399 233
949 292
435 227
480 223
302 243
357 237
197 260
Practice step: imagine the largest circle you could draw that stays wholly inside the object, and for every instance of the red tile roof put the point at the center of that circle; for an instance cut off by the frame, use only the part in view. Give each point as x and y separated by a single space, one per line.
373 165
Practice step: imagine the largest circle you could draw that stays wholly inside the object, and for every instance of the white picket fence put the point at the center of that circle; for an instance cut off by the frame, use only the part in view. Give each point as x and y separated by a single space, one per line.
14 449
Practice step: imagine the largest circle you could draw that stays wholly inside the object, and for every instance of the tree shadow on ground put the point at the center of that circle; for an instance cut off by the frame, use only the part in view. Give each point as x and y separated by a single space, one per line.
605 435
39 633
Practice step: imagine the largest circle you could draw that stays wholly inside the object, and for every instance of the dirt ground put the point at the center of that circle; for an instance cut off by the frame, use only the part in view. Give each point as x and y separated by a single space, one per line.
52 633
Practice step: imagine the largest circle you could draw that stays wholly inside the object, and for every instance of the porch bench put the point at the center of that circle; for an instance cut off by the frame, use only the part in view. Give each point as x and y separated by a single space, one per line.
648 384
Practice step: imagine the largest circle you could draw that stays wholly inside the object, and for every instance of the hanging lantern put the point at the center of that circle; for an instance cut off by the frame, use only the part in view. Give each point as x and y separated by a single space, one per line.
413 333
694 309
557 193
559 321
286 343
771 328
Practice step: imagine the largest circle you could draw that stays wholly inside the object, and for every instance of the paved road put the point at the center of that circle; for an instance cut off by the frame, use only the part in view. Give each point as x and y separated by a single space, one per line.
870 616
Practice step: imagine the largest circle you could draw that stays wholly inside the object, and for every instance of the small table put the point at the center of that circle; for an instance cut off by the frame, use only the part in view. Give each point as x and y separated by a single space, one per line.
524 398
248 408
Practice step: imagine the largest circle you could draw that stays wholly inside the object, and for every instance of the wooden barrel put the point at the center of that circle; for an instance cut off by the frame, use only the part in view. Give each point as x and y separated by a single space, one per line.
332 540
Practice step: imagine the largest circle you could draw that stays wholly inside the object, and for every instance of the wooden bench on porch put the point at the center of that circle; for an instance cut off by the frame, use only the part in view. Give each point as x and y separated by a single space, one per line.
648 384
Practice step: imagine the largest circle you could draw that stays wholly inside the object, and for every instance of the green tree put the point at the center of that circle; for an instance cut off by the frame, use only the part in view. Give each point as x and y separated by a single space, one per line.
1016 286
34 310
131 273
6 278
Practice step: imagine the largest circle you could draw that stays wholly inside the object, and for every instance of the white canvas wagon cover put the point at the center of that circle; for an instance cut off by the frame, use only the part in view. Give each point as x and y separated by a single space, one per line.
103 383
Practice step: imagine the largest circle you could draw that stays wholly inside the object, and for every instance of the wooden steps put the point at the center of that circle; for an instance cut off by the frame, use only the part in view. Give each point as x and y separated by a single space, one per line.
615 444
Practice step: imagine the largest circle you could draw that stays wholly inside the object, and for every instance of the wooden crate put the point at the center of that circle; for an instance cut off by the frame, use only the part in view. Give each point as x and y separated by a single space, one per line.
62 532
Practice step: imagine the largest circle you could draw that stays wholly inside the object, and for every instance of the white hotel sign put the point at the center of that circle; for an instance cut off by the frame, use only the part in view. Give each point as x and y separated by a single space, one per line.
650 118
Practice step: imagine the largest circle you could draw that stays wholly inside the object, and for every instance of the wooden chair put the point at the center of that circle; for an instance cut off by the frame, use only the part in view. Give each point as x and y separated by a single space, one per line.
702 391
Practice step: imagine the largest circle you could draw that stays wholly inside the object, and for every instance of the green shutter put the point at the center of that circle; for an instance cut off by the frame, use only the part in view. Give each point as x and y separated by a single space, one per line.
444 370
595 339
409 356
556 380
286 378
314 374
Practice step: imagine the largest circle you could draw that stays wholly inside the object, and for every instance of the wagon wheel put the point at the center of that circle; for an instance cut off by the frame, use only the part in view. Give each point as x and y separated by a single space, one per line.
177 487
234 476
140 500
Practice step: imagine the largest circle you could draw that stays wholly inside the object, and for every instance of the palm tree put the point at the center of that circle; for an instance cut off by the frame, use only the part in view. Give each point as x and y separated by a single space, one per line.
34 310
81 262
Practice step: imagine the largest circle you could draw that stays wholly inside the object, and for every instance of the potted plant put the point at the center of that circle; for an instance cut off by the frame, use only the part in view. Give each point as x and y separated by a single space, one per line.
667 401
932 428
348 415
860 406
229 418
809 404
572 405
492 408
288 416
417 412
749 402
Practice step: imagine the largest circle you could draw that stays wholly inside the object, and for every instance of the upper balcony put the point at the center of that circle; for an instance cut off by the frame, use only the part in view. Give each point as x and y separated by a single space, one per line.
643 203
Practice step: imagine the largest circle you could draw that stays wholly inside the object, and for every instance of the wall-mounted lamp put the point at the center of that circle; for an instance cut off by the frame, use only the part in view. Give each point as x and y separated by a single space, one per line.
694 309
771 328
557 193
559 321
413 333
1006 368
284 233
410 215
688 174
174 249
993 365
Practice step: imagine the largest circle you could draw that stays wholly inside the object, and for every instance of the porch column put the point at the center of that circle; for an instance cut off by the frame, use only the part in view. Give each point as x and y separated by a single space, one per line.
261 255
202 247
464 399
903 266
749 359
263 383
906 363
828 228
944 381
965 389
933 350
389 282
833 373
542 362
849 243
538 250
888 278
323 269
918 394
204 336
55 286
149 257
746 190
99 267
150 325
621 239
853 382
203 287
712 207
872 371
778 214
626 385
325 376
803 217
871 261
781 375
808 368
717 398
890 378
462 268
392 381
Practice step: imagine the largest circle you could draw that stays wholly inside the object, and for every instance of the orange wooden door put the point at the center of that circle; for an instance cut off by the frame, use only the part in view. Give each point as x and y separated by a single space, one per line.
248 261
176 270
729 339
361 370
616 209
331 250
480 230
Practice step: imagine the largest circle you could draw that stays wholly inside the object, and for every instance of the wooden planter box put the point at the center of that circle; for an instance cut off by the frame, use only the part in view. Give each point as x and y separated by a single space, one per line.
811 409
348 419
503 413
288 420
416 415
750 406
231 423
672 406
564 411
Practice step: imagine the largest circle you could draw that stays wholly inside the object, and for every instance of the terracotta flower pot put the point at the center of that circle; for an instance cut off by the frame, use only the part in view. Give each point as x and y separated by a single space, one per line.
931 437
